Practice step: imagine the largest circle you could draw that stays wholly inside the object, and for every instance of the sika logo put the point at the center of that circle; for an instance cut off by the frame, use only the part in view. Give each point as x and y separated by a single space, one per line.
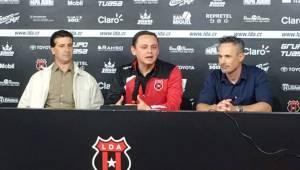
40 64
111 153
213 66
74 19
293 106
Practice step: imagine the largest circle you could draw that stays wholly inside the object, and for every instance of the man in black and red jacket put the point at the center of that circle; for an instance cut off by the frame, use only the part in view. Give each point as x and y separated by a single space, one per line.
147 82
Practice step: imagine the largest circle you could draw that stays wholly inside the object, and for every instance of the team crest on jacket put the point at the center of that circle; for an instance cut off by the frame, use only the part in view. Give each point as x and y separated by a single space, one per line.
111 154
40 64
158 85
293 106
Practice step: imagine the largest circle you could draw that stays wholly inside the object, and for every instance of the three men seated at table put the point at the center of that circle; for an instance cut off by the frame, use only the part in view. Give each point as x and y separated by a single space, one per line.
148 82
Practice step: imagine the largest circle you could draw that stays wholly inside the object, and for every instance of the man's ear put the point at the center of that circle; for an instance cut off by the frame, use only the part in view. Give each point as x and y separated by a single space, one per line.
133 51
52 51
242 57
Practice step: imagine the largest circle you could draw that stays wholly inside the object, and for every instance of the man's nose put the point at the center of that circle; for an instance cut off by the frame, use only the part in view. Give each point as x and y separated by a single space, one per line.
221 60
67 48
149 50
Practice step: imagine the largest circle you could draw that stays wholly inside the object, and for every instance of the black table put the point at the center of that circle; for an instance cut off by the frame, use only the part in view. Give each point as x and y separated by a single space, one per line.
34 139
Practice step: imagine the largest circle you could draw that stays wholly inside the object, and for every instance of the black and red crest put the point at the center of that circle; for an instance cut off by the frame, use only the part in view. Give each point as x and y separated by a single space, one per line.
293 106
40 64
158 85
110 153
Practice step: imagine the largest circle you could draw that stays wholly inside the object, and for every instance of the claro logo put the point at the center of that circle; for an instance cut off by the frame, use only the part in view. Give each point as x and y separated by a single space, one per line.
265 49
110 20
290 20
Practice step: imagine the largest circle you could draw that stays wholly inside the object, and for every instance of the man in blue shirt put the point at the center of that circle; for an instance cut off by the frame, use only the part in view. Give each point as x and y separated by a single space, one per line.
236 87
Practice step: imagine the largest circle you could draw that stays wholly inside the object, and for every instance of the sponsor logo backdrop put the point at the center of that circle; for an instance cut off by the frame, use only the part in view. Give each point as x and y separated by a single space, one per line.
188 32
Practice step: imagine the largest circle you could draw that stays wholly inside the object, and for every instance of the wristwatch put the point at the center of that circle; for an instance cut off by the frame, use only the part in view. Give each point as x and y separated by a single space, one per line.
239 108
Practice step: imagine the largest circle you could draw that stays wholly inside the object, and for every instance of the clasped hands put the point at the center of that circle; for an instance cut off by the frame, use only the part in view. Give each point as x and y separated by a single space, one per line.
141 105
224 106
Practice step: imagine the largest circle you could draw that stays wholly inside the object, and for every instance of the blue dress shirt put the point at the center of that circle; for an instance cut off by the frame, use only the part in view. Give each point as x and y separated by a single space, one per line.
252 87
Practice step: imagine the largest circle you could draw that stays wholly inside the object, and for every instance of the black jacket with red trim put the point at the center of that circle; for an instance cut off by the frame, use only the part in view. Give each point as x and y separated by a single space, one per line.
161 89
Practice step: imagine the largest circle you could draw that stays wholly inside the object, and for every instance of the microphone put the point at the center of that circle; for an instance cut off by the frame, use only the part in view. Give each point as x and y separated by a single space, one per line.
136 89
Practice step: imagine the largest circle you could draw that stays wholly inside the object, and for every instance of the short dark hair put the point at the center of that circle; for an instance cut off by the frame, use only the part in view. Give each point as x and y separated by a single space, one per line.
60 33
140 33
232 39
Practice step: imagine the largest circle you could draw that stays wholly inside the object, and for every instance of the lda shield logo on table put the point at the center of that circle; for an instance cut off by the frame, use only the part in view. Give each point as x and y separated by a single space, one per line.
111 154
